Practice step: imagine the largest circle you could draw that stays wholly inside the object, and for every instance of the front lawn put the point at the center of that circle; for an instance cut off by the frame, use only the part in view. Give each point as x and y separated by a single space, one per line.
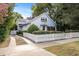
5 43
20 41
67 49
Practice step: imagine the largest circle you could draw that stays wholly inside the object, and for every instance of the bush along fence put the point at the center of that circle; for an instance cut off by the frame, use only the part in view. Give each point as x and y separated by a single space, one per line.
50 37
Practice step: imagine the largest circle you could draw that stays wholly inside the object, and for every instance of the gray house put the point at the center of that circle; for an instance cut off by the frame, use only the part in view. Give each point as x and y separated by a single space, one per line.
43 21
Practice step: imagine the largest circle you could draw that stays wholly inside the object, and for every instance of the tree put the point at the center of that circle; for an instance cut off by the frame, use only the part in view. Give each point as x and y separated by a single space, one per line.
32 28
4 33
3 12
40 8
8 19
67 15
64 14
12 17
17 15
7 23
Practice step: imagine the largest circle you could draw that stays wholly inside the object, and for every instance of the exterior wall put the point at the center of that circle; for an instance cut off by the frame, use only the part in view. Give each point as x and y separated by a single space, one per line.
25 27
37 21
22 21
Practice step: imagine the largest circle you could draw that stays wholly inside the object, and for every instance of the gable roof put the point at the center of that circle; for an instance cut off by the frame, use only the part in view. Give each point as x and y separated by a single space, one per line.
45 13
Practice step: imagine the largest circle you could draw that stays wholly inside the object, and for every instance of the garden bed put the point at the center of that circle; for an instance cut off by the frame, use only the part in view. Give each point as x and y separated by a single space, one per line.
5 43
20 41
68 49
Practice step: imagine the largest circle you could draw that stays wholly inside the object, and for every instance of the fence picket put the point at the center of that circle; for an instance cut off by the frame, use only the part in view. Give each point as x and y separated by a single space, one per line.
49 37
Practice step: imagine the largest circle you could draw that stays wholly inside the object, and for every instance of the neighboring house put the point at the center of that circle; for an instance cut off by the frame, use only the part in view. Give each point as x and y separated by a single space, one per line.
43 22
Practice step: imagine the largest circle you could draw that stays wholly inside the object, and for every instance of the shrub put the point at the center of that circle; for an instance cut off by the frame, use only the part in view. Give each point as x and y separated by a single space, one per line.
10 22
20 33
46 32
32 28
4 32
24 31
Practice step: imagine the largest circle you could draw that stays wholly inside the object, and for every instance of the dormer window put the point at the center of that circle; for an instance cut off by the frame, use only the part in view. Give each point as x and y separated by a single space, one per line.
44 19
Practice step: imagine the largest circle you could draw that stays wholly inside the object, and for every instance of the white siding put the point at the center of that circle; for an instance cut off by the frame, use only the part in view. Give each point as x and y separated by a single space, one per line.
25 27
37 21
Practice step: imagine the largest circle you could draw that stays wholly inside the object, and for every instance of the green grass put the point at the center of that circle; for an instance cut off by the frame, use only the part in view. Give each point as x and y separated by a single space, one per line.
67 49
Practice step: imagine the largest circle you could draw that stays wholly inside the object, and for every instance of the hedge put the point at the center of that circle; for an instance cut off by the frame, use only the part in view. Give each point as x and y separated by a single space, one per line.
46 32
20 33
4 32
5 28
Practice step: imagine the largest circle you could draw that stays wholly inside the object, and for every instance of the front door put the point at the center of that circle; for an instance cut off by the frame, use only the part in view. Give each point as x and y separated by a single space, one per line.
43 27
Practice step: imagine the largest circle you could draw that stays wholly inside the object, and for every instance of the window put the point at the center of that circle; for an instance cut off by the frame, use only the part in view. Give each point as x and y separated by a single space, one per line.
44 19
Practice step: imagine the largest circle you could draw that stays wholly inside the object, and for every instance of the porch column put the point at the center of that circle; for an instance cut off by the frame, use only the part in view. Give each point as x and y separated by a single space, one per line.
41 28
45 28
55 28
18 27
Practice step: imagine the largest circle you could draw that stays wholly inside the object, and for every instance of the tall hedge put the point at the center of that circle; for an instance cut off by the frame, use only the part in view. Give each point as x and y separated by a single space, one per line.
32 28
6 28
4 32
8 23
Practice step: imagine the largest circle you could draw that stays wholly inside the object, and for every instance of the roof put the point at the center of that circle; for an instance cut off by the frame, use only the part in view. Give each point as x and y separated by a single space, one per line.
45 13
29 21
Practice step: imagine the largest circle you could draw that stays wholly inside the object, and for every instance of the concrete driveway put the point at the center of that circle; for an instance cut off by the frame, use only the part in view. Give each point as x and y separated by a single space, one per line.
29 49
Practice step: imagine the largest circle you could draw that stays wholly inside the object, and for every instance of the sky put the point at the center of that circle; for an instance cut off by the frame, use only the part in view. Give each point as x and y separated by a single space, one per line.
24 9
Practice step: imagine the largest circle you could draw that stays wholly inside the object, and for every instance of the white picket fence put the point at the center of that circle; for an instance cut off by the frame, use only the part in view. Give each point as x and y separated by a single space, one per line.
50 37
